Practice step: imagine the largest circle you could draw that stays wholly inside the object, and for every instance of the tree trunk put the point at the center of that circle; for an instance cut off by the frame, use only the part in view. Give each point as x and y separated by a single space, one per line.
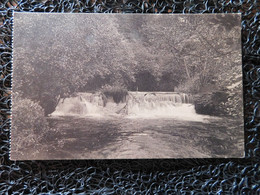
186 68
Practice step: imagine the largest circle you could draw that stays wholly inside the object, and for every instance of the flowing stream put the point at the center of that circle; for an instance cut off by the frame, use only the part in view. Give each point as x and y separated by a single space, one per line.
144 125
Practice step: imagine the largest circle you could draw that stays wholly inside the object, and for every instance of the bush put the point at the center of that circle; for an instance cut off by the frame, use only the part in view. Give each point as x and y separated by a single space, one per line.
29 126
118 93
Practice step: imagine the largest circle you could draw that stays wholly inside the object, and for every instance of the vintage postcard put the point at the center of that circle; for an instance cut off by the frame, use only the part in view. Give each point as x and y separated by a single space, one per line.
126 86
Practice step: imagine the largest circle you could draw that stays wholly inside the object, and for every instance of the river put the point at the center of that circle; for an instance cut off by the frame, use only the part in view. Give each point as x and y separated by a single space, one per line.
124 138
144 125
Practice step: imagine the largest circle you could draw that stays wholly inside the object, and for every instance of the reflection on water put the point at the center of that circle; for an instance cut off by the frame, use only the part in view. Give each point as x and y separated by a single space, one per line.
120 137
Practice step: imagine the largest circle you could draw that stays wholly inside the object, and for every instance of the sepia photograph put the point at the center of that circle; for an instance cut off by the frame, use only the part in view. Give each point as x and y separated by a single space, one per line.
126 86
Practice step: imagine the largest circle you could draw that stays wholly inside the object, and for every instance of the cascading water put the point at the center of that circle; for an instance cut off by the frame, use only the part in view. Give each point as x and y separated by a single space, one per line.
137 105
83 104
162 105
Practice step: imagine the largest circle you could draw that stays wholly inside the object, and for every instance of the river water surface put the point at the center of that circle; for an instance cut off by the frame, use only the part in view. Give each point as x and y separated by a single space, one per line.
143 125
124 138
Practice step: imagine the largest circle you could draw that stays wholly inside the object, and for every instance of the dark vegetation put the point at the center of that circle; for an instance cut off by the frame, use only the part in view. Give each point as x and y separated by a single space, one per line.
188 57
145 81
209 103
117 93
32 132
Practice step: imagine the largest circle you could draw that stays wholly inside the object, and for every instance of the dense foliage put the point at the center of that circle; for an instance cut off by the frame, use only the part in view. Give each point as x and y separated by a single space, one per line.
31 129
31 126
182 53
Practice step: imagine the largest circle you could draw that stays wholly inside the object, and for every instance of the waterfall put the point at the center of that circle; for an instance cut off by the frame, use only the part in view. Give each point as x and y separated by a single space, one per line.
162 105
138 105
83 104
177 98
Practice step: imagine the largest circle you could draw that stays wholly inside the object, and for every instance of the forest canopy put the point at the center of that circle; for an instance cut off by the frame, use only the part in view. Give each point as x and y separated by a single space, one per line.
79 53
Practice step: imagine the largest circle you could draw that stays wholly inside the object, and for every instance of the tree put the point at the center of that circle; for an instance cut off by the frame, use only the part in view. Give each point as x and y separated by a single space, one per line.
74 53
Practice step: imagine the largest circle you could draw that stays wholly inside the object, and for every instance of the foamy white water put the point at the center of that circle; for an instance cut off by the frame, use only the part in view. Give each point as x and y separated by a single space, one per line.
162 105
137 105
84 104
